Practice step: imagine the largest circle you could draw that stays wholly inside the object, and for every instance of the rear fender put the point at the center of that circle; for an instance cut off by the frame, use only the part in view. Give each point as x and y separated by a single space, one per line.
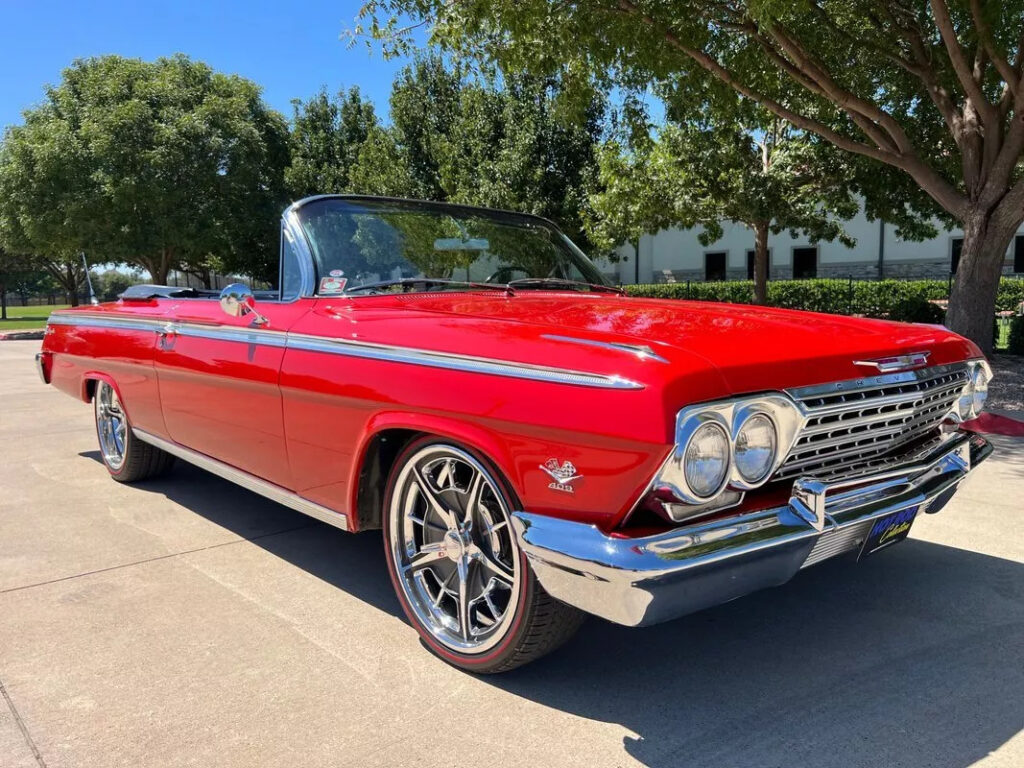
89 379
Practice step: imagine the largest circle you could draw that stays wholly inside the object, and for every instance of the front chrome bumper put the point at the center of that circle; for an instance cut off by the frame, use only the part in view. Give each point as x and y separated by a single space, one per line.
655 578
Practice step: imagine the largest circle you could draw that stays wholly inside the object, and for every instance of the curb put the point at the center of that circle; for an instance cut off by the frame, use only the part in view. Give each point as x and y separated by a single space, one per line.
22 335
1005 423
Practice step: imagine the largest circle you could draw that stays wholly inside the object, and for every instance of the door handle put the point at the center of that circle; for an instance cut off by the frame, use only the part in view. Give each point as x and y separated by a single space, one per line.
167 330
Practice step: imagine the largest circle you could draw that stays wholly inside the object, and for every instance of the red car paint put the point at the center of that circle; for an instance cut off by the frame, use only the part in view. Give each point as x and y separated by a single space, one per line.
303 420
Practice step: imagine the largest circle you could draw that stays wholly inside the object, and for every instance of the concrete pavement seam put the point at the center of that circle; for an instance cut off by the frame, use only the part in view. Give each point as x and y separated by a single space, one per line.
154 559
21 726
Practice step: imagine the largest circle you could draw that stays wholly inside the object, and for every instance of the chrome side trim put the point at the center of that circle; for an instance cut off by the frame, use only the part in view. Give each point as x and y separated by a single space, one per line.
642 351
362 349
244 479
258 336
92 320
456 362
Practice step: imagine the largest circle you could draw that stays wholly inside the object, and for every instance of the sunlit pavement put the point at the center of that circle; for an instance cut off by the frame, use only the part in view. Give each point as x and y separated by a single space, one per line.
187 622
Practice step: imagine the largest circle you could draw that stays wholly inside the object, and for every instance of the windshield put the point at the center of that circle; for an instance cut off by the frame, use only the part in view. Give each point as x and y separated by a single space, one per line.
362 242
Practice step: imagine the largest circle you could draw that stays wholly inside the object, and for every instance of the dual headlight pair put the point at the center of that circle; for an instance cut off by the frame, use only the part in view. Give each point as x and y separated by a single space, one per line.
975 392
723 449
738 444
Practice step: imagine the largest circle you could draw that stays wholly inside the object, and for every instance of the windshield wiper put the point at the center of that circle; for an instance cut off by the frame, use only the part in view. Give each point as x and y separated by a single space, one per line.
426 282
561 282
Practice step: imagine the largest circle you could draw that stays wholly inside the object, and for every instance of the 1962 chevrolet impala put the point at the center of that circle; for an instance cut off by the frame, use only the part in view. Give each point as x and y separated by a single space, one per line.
534 444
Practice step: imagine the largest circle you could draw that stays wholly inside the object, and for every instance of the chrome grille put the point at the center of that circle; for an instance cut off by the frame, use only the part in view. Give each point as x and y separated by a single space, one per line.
856 425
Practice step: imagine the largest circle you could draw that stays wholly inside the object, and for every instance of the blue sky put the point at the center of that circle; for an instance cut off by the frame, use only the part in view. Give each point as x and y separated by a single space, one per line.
290 49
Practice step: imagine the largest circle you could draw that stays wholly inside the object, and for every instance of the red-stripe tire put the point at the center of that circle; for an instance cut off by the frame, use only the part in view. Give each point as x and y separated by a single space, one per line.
126 458
456 566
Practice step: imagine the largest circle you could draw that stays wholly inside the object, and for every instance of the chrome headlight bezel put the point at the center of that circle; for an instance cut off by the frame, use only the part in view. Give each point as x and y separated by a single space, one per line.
980 377
730 415
968 405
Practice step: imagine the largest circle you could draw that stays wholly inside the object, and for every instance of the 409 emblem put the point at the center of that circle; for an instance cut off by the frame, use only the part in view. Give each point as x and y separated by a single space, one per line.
563 475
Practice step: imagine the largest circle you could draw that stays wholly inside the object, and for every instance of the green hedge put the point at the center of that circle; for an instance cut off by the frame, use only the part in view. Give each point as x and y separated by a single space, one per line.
874 298
1015 345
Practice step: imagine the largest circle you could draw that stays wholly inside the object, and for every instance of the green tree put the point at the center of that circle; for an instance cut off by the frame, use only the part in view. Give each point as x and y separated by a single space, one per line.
14 269
327 135
162 164
516 150
483 141
406 158
932 89
763 174
110 284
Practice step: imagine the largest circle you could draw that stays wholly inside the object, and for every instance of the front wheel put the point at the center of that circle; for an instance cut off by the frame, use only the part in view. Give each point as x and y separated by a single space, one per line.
457 567
126 458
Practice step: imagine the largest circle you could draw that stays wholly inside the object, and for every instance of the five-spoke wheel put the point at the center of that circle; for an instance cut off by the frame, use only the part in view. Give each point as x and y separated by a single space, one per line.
125 457
457 566
111 426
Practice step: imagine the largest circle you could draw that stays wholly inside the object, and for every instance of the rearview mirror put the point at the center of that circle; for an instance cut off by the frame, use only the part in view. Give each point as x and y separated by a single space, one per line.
455 244
236 300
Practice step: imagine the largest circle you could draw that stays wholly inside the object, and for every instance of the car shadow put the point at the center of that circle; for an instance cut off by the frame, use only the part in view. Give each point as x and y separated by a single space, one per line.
908 658
352 562
912 657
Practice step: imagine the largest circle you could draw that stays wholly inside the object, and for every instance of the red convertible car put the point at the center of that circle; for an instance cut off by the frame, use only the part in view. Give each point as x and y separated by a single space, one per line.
534 445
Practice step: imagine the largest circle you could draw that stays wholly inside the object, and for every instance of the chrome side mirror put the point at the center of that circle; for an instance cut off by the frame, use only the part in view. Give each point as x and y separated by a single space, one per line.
236 300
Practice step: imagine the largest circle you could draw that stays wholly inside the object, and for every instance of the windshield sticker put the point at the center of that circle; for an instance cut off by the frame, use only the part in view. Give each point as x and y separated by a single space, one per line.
332 285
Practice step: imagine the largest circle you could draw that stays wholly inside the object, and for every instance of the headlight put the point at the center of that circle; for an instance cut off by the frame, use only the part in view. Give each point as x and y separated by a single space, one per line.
979 382
706 460
723 449
755 450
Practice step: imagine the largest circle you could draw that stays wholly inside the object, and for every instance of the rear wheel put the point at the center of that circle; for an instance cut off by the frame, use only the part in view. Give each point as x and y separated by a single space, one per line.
457 567
127 458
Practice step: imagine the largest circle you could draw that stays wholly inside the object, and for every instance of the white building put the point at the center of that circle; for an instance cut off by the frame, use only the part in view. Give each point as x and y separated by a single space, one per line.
676 255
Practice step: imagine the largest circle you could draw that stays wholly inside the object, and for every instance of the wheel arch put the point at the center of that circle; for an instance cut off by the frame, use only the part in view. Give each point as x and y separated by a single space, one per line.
89 381
383 440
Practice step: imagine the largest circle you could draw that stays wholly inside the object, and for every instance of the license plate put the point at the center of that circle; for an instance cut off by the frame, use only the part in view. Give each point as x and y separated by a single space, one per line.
888 530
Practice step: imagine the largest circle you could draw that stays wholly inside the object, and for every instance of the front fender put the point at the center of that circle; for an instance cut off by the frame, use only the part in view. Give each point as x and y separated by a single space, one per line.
611 474
469 434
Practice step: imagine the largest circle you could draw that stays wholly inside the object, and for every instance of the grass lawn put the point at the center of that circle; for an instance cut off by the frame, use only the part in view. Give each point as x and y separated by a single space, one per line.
27 318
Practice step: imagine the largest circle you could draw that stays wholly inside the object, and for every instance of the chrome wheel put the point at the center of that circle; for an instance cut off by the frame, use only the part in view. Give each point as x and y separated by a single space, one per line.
452 549
111 425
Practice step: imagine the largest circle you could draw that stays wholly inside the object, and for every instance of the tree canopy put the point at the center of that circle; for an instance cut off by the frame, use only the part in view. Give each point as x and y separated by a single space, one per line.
326 138
761 173
483 141
163 165
932 89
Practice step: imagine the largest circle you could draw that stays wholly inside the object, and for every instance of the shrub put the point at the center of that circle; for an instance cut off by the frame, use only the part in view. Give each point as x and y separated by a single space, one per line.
1016 344
916 309
873 298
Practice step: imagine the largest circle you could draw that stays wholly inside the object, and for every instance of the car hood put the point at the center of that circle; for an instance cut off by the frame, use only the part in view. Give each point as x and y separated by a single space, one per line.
753 348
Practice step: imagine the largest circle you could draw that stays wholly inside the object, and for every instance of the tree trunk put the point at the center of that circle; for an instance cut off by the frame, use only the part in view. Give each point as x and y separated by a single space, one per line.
160 266
3 302
976 286
761 262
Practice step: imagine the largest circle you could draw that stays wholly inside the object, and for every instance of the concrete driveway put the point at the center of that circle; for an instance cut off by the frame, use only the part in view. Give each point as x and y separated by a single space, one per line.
187 622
